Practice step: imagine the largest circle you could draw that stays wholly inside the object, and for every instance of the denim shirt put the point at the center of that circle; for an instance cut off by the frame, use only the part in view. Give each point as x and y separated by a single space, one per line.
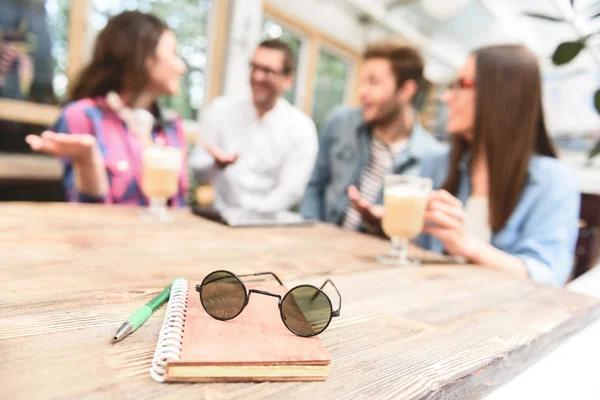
344 150
542 229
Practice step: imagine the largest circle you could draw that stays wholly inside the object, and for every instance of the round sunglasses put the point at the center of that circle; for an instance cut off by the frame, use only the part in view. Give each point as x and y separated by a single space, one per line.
305 309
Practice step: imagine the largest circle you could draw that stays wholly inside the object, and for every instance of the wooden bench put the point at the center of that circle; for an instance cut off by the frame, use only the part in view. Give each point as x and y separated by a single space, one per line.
30 177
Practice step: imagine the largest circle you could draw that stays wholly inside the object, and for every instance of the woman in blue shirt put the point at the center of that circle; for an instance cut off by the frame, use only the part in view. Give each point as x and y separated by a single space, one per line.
504 200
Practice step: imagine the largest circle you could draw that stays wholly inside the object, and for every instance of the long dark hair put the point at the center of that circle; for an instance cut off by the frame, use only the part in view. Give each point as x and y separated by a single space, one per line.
119 56
509 126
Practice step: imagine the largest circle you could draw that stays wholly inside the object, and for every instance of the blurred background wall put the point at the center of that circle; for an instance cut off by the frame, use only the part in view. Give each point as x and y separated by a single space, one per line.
44 43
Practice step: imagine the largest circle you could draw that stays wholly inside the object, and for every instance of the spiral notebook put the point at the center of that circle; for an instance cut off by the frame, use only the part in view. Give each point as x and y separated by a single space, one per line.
253 347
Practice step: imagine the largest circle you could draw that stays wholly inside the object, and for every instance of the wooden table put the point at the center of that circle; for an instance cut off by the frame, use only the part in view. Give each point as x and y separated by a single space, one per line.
569 371
71 274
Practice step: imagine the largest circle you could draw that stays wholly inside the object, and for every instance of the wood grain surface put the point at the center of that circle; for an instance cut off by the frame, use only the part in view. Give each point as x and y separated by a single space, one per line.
71 274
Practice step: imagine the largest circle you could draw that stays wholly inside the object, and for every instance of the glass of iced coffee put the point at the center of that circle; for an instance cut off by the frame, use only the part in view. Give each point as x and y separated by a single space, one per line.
405 200
162 166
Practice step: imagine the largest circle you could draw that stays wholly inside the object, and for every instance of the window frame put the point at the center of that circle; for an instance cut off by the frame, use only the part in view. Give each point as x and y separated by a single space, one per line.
78 53
349 60
43 114
301 65
309 57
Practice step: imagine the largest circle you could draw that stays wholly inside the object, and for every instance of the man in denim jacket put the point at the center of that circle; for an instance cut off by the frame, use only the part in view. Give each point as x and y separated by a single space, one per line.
358 147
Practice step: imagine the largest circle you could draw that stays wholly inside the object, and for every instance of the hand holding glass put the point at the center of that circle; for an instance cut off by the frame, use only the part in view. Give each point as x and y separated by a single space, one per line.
405 199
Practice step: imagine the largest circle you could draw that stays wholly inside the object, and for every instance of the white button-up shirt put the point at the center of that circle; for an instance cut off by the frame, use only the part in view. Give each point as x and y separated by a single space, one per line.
276 154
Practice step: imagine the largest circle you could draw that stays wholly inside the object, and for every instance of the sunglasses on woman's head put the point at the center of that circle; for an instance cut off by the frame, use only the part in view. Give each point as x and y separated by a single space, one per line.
305 309
462 83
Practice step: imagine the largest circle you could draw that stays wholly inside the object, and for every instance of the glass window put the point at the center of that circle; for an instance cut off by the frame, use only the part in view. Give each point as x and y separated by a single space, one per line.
330 88
58 25
273 30
26 50
189 21
28 59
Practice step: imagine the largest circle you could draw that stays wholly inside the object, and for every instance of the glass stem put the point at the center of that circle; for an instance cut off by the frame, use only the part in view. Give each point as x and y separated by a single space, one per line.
158 206
400 249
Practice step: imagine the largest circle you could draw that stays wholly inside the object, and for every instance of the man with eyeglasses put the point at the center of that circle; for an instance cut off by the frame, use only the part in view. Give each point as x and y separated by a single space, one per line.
358 147
258 151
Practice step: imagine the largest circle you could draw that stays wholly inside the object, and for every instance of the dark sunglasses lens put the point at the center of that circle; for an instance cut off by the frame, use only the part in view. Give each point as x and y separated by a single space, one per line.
306 311
223 295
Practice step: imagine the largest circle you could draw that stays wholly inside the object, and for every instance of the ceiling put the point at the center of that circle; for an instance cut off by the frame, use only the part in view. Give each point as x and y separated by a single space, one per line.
482 22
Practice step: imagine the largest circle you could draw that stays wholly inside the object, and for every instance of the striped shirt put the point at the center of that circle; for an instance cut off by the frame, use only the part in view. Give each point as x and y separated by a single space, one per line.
121 149
370 183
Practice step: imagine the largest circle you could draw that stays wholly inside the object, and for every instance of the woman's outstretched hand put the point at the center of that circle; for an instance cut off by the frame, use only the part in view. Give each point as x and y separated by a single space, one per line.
88 164
78 147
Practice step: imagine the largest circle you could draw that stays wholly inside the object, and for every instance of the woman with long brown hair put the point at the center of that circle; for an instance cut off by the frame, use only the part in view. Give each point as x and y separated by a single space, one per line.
504 200
101 137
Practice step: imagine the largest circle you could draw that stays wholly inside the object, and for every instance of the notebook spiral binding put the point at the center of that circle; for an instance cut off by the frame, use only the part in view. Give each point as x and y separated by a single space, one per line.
171 332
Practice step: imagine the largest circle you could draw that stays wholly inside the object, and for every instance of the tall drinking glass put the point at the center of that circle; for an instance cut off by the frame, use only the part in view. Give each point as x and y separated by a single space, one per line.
162 166
405 199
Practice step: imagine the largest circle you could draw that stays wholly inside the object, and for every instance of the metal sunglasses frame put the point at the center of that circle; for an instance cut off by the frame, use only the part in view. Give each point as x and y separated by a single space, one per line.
334 313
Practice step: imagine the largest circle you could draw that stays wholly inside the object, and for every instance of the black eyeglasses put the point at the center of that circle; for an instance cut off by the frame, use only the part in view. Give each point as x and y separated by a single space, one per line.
305 309
266 70
462 83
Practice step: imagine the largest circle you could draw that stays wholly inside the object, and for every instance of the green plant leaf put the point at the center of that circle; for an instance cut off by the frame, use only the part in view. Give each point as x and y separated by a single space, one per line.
567 51
544 17
597 100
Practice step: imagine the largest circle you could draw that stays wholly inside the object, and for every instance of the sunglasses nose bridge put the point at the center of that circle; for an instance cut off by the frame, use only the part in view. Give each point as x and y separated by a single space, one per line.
278 296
